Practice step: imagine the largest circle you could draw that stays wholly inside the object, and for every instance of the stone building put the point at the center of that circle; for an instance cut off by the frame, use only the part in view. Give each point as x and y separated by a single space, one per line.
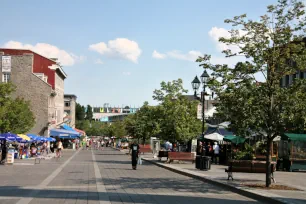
39 80
69 109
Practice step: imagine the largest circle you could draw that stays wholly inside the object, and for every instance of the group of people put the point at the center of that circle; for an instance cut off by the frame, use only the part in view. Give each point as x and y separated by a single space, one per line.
212 151
31 150
93 144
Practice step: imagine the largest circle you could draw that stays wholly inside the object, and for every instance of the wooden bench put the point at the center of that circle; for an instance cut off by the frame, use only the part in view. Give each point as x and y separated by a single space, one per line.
249 166
145 150
181 156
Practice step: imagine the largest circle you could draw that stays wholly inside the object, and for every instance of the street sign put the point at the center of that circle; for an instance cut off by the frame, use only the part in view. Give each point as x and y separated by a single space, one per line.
199 112
6 64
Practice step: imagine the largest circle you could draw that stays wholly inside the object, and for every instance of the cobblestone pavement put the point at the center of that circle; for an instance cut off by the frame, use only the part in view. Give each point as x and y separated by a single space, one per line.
104 177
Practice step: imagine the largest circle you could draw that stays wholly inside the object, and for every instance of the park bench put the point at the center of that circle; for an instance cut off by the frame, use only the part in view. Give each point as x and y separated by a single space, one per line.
249 166
181 156
145 150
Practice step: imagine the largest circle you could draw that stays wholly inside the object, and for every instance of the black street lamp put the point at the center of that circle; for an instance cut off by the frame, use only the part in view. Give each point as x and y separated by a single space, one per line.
195 85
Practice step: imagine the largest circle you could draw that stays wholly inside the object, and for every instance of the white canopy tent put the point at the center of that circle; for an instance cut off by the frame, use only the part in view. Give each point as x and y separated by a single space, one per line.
214 136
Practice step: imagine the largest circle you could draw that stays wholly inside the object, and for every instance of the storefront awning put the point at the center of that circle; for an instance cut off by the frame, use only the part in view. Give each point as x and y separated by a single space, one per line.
295 137
67 127
64 133
234 139
80 131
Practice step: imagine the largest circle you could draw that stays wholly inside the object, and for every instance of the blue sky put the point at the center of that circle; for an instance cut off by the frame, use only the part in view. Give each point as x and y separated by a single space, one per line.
106 47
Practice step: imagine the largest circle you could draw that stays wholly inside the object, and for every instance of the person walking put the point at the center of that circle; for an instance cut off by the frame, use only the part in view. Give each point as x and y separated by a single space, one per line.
59 148
216 149
135 151
4 152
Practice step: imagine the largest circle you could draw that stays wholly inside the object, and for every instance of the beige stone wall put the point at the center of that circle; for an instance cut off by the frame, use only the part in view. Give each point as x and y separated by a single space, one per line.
31 88
59 98
71 109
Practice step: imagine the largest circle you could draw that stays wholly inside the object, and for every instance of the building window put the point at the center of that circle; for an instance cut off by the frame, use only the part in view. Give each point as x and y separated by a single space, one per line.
67 103
301 75
6 77
287 80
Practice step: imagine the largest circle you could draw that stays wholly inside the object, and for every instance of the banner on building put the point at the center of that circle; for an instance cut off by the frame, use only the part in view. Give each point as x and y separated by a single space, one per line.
199 112
104 119
6 64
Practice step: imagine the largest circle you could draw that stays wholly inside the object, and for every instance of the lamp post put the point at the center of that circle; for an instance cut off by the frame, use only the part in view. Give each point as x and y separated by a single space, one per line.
196 85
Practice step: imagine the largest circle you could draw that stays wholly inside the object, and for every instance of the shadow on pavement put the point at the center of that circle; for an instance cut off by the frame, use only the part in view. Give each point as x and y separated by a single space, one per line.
15 191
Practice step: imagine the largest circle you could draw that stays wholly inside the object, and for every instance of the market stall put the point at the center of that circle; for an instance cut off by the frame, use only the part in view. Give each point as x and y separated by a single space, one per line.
292 152
68 137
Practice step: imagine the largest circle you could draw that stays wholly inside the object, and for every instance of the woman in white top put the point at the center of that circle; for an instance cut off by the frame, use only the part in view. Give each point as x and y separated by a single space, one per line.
59 148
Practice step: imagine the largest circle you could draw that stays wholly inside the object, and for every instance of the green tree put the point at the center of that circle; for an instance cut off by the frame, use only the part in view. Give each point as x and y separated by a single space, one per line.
176 114
83 125
15 114
79 112
143 124
274 47
110 130
119 129
89 113
130 124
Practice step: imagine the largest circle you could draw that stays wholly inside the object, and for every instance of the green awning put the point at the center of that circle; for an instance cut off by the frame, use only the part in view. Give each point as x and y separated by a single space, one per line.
296 137
234 139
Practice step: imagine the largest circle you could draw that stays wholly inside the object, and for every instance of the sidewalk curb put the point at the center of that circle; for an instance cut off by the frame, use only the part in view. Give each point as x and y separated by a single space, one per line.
240 191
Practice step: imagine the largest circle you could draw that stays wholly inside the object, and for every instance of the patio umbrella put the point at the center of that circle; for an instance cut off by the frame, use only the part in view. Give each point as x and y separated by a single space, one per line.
10 137
214 136
50 139
33 137
24 137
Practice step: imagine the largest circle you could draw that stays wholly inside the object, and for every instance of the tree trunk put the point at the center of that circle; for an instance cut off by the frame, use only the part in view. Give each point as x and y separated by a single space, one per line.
144 140
268 162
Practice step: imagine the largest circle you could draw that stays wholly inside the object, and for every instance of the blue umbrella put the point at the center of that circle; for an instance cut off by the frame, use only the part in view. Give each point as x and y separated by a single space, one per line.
10 137
50 139
37 138
33 137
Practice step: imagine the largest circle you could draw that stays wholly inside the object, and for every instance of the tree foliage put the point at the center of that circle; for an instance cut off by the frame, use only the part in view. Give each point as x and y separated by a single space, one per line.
89 113
143 124
176 114
79 112
273 46
15 114
119 129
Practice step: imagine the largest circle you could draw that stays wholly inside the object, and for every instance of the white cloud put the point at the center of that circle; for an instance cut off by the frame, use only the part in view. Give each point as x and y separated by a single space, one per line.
189 56
120 47
99 61
158 55
47 50
176 54
126 73
215 33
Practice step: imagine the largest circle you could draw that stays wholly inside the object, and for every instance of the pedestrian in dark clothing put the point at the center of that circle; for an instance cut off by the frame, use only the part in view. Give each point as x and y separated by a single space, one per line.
4 152
135 151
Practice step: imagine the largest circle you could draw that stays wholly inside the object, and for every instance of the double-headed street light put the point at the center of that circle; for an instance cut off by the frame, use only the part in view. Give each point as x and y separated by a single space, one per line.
196 85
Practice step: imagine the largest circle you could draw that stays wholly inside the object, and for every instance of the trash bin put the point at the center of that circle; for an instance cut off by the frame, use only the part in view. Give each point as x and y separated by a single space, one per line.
10 156
205 163
198 162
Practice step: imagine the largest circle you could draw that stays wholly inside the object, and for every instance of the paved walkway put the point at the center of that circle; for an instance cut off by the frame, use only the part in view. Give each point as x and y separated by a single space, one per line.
217 173
104 177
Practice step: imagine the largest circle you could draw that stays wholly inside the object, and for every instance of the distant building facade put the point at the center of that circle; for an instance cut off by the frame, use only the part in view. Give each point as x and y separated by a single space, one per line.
112 114
69 109
39 80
